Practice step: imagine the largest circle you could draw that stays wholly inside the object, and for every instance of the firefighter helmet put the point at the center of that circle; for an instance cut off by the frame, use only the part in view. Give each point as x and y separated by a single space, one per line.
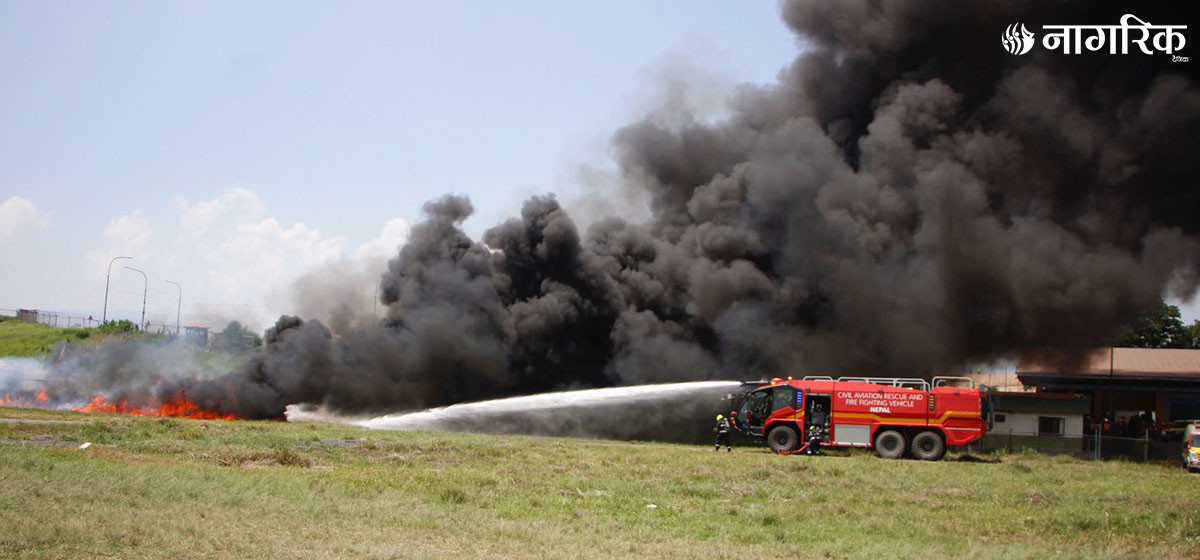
719 417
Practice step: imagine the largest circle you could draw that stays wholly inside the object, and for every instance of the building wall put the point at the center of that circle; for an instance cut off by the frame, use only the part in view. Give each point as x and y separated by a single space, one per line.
1026 423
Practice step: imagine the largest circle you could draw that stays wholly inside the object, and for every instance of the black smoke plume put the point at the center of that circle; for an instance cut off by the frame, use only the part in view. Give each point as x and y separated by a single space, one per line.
909 197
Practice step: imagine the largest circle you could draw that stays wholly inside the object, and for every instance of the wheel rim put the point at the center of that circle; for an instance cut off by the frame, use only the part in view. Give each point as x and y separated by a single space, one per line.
781 439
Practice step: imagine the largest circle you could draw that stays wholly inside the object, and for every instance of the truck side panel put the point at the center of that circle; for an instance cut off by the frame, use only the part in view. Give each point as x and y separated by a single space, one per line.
859 409
958 413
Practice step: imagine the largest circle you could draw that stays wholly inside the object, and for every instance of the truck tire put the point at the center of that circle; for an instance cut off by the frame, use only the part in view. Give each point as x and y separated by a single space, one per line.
783 439
928 446
890 444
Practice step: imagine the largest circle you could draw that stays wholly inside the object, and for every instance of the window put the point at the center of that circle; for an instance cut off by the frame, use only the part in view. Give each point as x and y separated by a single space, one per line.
757 408
1050 426
999 418
783 397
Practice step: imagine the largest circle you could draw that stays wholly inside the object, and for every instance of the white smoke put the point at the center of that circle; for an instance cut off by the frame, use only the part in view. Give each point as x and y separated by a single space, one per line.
667 411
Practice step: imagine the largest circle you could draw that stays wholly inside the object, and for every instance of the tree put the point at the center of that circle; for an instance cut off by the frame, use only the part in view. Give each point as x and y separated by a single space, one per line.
1162 329
236 338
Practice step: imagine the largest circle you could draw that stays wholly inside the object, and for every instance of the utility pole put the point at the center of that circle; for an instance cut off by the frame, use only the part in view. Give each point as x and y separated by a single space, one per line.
145 287
178 305
104 316
1112 414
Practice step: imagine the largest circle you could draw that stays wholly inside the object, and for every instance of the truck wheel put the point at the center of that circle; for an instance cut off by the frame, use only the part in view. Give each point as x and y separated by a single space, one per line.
890 444
783 439
928 446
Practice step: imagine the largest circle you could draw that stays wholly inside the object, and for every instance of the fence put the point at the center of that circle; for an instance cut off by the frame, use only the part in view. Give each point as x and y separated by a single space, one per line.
63 320
1089 446
51 318
160 327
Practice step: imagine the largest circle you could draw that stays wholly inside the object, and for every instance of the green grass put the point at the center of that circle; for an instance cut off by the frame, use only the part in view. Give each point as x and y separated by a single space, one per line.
33 339
169 488
21 339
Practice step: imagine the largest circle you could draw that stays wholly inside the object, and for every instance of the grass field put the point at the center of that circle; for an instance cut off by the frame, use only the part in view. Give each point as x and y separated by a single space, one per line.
169 488
32 339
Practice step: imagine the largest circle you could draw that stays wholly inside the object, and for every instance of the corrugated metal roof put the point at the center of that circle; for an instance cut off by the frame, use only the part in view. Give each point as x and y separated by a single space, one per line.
1149 363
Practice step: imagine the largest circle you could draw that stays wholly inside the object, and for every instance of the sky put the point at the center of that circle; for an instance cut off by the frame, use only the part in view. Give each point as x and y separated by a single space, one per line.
234 147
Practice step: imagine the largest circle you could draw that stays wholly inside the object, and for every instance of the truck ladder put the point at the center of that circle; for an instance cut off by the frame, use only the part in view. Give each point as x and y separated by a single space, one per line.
948 380
904 382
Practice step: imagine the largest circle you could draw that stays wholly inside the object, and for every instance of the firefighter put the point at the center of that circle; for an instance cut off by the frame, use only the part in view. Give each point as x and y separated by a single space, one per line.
818 415
722 430
814 441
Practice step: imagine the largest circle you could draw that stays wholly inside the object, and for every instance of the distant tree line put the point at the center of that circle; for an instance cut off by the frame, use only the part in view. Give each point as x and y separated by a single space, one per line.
1164 328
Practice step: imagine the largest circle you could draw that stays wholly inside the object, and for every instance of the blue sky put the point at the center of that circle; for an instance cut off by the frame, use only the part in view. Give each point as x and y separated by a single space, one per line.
220 139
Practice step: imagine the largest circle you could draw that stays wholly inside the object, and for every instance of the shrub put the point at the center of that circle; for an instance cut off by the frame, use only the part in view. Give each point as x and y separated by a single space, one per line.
117 327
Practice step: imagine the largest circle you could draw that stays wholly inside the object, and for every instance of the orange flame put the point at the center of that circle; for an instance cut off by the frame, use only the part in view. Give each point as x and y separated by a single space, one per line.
178 406
17 401
43 396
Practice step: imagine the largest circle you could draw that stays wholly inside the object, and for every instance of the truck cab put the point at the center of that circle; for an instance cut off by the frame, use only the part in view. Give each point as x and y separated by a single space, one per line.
761 403
771 403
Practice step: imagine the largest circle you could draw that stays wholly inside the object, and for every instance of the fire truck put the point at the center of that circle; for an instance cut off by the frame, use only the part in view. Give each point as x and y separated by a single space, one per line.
895 416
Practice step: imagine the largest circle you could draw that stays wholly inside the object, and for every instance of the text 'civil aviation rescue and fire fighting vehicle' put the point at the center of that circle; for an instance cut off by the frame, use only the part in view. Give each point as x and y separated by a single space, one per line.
894 415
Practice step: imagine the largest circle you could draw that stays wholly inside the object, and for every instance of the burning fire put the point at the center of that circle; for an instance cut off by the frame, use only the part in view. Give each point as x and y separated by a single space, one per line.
177 406
25 401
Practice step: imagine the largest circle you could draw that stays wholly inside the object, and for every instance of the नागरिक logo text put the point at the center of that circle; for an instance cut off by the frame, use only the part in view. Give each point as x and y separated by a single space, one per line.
1073 39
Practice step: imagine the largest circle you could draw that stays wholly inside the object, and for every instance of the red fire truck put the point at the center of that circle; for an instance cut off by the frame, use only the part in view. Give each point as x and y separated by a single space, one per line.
896 416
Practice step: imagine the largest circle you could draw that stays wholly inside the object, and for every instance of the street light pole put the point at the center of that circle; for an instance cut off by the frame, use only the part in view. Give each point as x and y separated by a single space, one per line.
104 316
1112 416
178 305
145 287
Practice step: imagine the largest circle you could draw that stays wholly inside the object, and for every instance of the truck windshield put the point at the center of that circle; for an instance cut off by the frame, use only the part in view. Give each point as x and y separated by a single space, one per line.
1196 440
